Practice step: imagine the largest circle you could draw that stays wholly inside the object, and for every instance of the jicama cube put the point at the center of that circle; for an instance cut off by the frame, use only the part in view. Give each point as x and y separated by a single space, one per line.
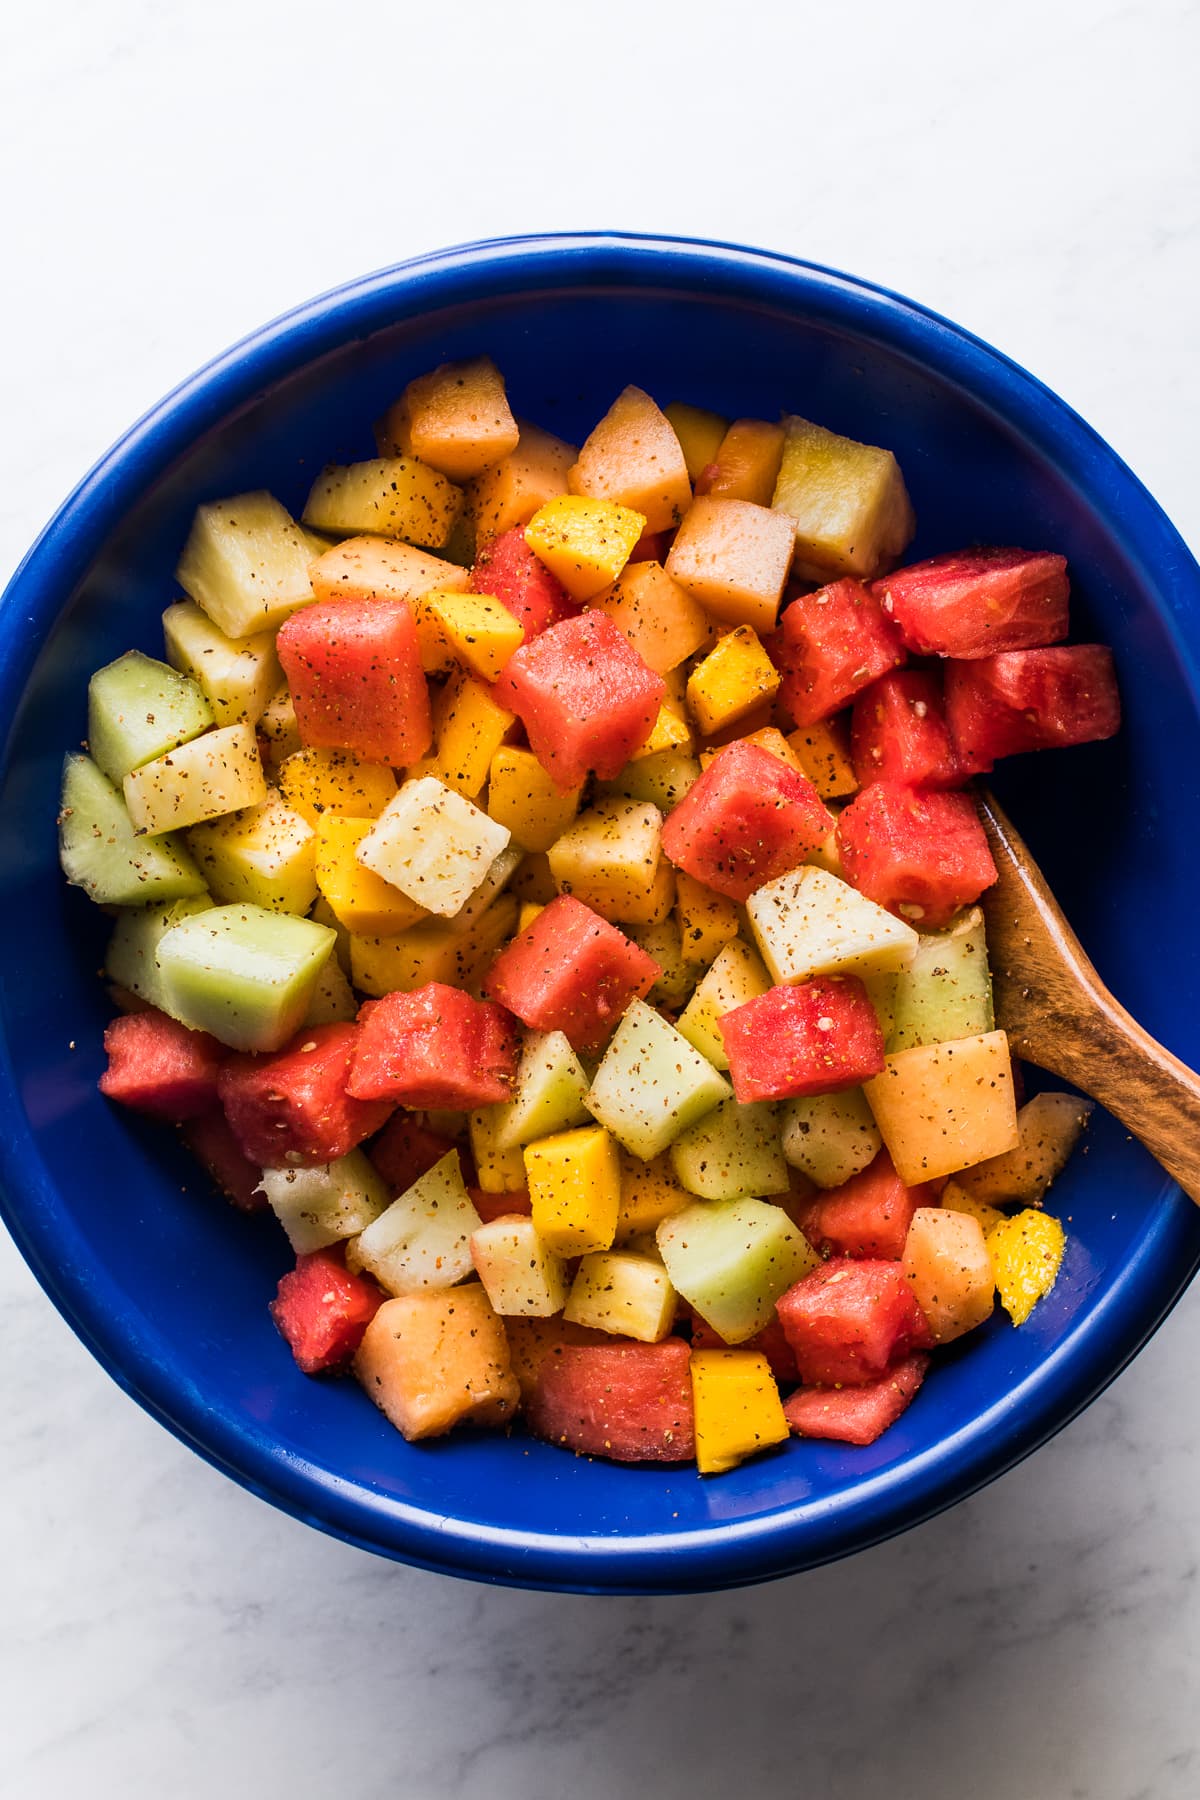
651 1084
214 774
619 1292
319 1206
101 853
423 1239
809 923
433 845
238 675
392 497
138 709
246 564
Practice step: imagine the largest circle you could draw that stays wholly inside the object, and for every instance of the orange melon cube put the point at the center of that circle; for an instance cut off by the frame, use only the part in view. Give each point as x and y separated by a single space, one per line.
583 541
822 753
375 568
455 419
429 1361
662 622
733 558
700 435
634 457
746 465
510 492
946 1260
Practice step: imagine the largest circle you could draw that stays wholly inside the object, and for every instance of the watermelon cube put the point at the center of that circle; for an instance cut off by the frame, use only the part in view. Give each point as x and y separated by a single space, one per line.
292 1108
491 1207
830 645
571 971
507 569
630 1402
1030 700
156 1065
811 1038
585 697
978 602
898 732
857 1415
212 1143
918 853
749 818
850 1320
434 1047
354 671
406 1149
769 1342
323 1310
869 1215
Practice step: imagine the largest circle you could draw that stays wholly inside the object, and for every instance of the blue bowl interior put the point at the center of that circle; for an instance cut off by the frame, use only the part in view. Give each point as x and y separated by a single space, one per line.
170 1286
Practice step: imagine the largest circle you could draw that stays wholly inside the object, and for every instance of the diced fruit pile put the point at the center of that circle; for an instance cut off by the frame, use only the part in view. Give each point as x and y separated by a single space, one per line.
547 877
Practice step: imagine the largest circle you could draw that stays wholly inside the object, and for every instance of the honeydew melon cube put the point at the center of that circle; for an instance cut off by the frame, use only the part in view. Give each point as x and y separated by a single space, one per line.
676 977
734 1153
265 855
522 1278
808 922
138 709
101 853
732 1259
848 501
621 1292
497 1171
830 1137
651 1084
611 859
735 977
333 1001
239 676
319 1206
946 990
244 974
433 844
131 959
549 1097
246 564
662 780
214 774
423 1239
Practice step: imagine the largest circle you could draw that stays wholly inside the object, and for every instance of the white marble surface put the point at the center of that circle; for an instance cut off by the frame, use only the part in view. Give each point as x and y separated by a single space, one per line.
172 177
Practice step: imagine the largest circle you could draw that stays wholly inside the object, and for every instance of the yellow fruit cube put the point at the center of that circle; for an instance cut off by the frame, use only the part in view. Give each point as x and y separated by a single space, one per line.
320 781
650 1193
456 419
942 1107
387 496
584 542
822 752
699 433
498 1171
575 1187
522 796
747 462
1026 1252
956 1199
669 732
733 558
434 950
737 1406
361 900
510 492
624 1293
375 568
479 631
528 913
468 729
238 675
849 508
707 920
277 724
246 564
734 678
533 880
736 977
662 621
611 859
264 856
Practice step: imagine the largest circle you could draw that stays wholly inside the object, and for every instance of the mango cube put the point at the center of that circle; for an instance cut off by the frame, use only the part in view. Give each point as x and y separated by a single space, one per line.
434 950
651 1084
217 773
611 859
734 679
456 419
523 1279
849 508
498 1170
634 458
942 1107
670 731
511 491
585 543
432 1360
246 564
574 1183
621 1292
468 729
737 1408
707 920
324 1205
314 782
660 619
1026 1253
769 739
265 854
238 675
822 752
244 974
650 1193
433 845
808 922
699 433
479 631
388 496
526 800
733 559
361 901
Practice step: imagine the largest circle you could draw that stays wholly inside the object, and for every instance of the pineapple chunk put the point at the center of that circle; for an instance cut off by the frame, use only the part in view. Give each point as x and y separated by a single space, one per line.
388 496
822 752
423 1239
522 1278
131 959
101 854
733 559
1049 1126
611 859
549 1096
361 902
524 798
585 543
434 950
633 458
246 564
830 1137
511 491
847 501
138 709
320 1206
660 619
430 1361
733 1153
479 631
375 568
575 1189
1026 1253
497 1171
244 974
620 1292
956 1199
942 1107
699 433
736 976
528 913
433 845
468 729
707 920
214 774
807 922
737 1408
456 419
651 1084
650 1193
732 681
238 675
670 731
320 781
266 855
663 780
277 724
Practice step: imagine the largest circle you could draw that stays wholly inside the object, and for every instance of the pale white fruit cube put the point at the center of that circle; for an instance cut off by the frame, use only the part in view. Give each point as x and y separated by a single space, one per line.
434 845
423 1240
212 775
622 1292
522 1278
246 563
319 1206
808 922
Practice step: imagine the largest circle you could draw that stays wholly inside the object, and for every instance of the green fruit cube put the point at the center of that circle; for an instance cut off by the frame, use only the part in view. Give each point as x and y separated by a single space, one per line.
830 1137
131 959
651 1084
244 974
333 1001
139 709
551 1086
736 976
733 1153
732 1260
946 991
851 509
101 853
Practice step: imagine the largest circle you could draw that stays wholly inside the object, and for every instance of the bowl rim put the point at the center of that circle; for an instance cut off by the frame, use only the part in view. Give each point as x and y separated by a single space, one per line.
724 1555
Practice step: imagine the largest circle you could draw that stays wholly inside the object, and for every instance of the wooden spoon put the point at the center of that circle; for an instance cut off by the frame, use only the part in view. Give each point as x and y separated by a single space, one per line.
1059 1014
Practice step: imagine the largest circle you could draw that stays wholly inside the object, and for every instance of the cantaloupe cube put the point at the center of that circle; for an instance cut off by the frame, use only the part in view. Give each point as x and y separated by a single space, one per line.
942 1107
847 501
746 462
246 564
707 920
278 726
214 774
265 854
574 1182
621 1292
238 675
456 419
736 976
733 558
433 845
434 950
822 752
511 491
634 458
947 1262
324 1205
361 901
522 1278
650 1193
1049 1126
423 1239
808 922
468 729
319 781
737 1408
584 542
386 496
480 633
699 433
498 1170
375 568
1026 1252
611 859
734 679
430 1361
523 797
662 622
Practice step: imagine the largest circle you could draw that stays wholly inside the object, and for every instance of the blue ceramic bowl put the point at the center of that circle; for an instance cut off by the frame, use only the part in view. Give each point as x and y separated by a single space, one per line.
168 1287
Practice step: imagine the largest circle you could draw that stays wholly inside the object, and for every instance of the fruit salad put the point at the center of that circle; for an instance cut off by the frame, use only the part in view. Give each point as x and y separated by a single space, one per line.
546 878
